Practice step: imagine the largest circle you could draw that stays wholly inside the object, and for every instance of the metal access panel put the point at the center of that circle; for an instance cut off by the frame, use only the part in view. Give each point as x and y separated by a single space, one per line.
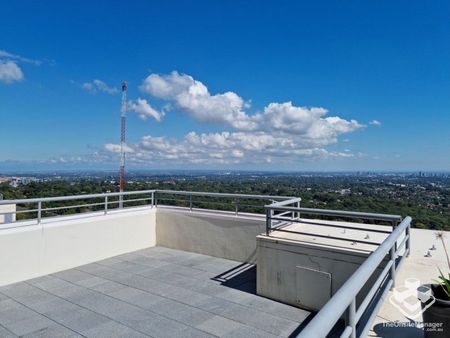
313 288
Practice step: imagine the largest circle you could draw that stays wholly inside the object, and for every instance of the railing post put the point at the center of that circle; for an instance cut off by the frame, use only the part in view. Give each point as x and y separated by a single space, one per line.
106 204
269 213
190 202
39 215
298 212
392 271
394 225
155 199
408 241
351 318
152 198
236 208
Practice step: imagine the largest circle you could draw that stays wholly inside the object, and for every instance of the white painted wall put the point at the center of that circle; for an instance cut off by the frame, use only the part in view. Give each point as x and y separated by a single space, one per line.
218 234
7 213
278 260
66 242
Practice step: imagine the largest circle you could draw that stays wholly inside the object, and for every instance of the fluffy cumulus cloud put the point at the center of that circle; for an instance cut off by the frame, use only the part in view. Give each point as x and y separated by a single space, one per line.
193 98
280 131
10 72
144 110
10 69
375 123
99 86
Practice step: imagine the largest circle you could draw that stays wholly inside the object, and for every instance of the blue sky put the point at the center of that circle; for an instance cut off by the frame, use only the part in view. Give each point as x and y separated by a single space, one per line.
312 85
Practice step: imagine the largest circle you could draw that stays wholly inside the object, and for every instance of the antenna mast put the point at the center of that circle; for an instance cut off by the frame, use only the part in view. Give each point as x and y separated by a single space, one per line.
122 140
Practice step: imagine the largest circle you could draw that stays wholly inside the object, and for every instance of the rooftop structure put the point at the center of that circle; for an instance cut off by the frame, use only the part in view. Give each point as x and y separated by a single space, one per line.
164 266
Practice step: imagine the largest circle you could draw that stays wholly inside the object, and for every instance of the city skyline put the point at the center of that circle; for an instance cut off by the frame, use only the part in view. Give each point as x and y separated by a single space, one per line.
236 86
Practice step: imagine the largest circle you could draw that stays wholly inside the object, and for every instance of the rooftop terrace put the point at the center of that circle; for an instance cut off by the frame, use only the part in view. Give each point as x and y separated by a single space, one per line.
156 292
179 270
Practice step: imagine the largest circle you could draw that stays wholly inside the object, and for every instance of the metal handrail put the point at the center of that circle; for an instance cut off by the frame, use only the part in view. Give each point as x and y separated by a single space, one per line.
336 213
344 300
74 197
225 195
153 197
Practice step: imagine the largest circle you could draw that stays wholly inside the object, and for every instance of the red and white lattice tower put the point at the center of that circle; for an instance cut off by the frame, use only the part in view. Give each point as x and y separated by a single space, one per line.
122 140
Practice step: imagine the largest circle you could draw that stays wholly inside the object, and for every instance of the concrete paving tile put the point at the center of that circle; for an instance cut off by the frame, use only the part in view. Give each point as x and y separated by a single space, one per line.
4 333
219 326
13 312
215 305
136 297
54 331
72 275
247 332
31 324
261 320
113 329
108 287
91 282
183 313
84 321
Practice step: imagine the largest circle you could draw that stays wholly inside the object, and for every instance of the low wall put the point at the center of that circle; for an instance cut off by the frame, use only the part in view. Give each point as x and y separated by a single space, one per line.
66 242
7 213
218 234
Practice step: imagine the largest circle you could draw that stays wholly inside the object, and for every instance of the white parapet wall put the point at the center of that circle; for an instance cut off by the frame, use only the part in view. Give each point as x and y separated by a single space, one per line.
214 233
31 250
7 213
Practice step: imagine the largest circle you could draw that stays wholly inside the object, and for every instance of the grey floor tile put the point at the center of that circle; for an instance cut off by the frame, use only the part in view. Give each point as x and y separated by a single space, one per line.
84 320
4 333
113 329
219 326
261 320
31 324
183 313
54 331
157 292
247 332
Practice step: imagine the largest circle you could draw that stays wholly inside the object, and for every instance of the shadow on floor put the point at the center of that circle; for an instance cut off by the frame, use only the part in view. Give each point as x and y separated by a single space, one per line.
241 277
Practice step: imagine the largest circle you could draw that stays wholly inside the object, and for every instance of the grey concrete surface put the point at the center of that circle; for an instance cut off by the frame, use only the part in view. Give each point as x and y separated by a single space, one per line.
156 292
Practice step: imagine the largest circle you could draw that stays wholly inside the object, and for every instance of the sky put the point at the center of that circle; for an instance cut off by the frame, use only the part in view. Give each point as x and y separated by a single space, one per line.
235 85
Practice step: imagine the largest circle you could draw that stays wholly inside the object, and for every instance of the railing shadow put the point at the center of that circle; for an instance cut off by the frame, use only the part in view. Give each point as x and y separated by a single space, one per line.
241 277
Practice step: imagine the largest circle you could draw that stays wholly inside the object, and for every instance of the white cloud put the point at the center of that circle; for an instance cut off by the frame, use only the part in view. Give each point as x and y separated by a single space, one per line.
98 85
193 98
115 148
375 123
144 110
222 148
281 132
17 58
10 72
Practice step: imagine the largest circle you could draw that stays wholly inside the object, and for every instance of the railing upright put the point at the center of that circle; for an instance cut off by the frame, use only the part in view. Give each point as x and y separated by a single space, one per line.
106 204
392 270
269 213
39 215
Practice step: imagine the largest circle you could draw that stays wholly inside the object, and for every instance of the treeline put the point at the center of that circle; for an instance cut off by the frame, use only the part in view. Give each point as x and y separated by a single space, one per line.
426 200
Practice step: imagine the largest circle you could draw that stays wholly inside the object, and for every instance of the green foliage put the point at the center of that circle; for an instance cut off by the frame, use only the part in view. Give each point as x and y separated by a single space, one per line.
444 282
425 199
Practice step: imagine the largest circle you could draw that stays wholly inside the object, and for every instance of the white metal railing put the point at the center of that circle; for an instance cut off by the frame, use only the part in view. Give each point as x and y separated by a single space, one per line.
104 201
282 211
343 302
